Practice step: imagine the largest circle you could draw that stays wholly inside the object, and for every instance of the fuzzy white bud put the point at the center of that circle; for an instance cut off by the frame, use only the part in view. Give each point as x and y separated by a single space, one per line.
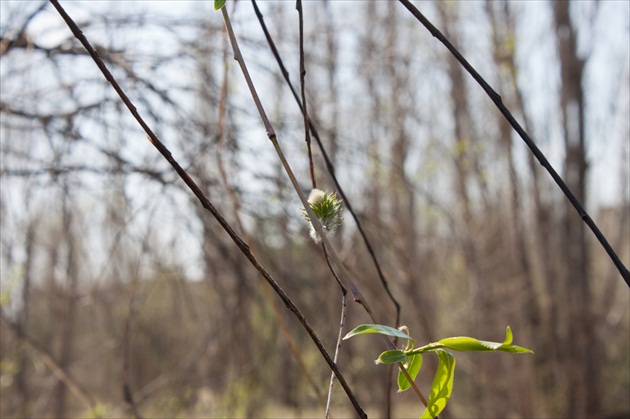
315 196
327 208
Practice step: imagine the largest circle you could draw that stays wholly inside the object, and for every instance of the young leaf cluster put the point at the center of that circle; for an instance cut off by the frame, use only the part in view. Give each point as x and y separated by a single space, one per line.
411 360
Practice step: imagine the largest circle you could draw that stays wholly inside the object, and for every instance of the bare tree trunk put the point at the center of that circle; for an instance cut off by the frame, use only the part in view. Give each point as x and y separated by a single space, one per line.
69 315
21 378
466 171
503 55
462 160
583 389
375 160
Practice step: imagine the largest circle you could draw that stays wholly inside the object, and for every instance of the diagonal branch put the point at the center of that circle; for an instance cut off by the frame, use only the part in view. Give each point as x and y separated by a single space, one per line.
205 202
329 164
331 170
284 330
494 96
344 275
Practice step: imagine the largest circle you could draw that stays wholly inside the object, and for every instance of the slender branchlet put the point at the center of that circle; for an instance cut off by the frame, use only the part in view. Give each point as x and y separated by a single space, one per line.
307 132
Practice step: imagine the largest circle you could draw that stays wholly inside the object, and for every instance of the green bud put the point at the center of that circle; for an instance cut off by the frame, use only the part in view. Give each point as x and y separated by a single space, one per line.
327 208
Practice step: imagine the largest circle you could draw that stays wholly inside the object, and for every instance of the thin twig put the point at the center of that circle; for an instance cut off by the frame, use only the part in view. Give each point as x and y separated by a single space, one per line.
496 98
344 294
342 322
284 330
329 165
307 133
344 274
205 202
220 138
293 347
357 295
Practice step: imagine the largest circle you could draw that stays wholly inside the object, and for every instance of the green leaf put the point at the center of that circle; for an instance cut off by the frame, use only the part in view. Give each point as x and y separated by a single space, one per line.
466 344
218 4
392 357
508 336
376 328
413 366
442 386
515 349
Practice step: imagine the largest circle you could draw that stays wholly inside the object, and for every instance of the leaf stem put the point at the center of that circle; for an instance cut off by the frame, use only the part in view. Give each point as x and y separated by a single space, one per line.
412 383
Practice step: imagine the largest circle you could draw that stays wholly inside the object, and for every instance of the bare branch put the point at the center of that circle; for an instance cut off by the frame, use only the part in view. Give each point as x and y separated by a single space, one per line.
329 164
243 247
494 96
307 132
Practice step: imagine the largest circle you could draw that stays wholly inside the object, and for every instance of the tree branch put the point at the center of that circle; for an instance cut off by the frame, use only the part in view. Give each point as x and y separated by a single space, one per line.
494 96
205 202
329 165
307 132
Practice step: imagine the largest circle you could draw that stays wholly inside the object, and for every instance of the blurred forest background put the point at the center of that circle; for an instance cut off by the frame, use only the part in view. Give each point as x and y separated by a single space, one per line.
113 274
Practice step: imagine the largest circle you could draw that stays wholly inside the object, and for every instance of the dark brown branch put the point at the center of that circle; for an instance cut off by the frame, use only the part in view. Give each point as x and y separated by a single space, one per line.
205 202
494 96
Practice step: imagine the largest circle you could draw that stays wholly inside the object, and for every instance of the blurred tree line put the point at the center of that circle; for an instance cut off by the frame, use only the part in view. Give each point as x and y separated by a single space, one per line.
116 282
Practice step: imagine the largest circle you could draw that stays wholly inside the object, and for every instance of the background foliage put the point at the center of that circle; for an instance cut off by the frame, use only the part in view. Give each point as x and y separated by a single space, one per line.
111 273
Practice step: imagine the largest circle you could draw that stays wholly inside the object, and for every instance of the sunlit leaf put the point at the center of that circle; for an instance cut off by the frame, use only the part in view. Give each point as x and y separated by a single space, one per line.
466 344
442 386
514 349
376 328
413 366
392 357
218 4
508 336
